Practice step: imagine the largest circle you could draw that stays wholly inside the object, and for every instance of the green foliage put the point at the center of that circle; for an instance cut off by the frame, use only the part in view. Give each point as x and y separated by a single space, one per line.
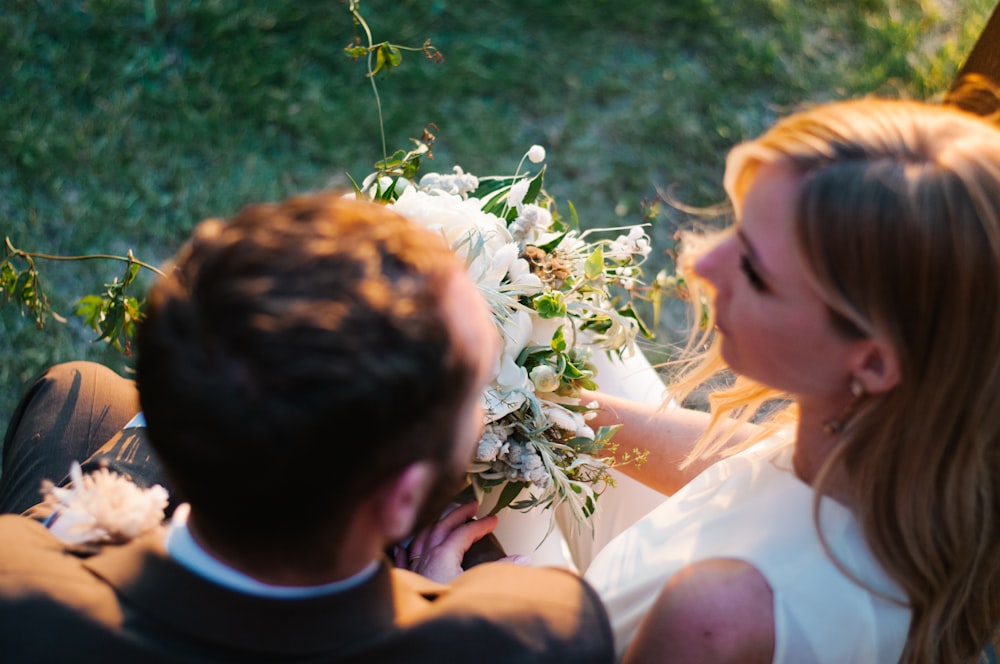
123 123
113 314
550 304
23 288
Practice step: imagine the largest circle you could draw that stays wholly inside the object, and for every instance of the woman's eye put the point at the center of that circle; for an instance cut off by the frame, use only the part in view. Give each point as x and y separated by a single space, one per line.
752 276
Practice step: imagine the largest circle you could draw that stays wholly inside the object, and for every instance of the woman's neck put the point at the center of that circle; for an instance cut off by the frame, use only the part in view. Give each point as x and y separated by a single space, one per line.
814 445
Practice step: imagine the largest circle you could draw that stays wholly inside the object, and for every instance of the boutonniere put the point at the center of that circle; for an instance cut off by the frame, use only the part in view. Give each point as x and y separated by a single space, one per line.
102 507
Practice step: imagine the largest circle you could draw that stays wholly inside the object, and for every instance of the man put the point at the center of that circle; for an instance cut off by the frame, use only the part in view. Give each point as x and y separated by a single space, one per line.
309 374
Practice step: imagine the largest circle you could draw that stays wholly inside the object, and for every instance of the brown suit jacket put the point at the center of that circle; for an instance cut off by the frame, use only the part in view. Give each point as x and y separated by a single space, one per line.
133 603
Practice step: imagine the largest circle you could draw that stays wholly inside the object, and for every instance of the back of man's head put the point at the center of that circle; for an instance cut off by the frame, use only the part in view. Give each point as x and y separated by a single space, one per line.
296 356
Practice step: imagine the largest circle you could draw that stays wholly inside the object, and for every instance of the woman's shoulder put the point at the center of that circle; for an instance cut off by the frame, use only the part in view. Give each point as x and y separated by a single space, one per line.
712 610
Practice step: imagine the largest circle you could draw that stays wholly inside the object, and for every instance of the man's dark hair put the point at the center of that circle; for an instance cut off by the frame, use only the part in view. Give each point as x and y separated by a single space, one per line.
295 357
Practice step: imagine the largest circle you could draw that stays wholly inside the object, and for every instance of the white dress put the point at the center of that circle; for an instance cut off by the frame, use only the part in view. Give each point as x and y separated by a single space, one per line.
752 507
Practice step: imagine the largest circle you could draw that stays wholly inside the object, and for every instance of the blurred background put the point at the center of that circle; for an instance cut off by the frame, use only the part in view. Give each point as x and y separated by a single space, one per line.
125 122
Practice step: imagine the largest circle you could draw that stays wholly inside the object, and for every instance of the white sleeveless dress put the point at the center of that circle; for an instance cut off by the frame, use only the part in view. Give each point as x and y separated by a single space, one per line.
753 508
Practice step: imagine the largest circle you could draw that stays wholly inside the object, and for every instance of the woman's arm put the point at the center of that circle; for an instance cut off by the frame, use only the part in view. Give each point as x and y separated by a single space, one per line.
669 434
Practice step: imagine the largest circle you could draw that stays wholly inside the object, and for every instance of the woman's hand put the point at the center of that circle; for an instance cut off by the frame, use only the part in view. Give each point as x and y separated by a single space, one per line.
437 551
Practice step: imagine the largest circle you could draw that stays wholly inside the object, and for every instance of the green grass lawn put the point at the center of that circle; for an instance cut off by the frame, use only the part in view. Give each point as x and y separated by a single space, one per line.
123 123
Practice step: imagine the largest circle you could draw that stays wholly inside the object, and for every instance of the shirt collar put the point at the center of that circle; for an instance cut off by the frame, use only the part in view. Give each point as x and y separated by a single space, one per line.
187 553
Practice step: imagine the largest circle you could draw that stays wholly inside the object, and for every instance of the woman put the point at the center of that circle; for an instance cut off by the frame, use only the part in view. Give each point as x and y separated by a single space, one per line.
860 283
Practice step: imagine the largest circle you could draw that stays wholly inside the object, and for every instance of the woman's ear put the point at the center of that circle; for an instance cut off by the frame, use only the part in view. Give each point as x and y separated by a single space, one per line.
403 499
876 366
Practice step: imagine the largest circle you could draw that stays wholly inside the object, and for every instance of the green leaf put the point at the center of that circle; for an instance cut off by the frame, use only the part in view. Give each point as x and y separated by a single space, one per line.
496 204
390 162
387 57
526 355
590 506
130 273
507 495
394 55
559 340
574 217
8 280
90 308
27 292
354 183
550 304
593 268
535 187
599 324
629 312
573 373
356 51
604 434
548 247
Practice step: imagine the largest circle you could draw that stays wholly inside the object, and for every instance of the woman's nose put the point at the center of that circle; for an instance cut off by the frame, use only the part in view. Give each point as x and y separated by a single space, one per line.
710 265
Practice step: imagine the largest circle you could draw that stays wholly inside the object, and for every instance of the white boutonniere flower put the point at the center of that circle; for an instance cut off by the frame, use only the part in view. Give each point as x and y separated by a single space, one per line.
102 507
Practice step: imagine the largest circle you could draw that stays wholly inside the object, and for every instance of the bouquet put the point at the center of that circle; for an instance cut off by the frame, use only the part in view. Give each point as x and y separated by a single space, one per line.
557 295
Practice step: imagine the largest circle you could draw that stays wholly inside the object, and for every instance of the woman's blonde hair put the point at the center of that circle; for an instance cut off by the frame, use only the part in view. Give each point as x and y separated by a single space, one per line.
898 221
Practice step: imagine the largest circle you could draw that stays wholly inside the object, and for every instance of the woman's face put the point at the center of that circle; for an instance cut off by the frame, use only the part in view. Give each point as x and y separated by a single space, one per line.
774 326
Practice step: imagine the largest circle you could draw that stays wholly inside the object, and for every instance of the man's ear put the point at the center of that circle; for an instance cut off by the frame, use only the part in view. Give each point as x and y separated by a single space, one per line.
876 366
403 498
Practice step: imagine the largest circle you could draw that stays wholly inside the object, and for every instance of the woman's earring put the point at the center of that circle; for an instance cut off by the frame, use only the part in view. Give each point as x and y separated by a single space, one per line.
857 388
835 426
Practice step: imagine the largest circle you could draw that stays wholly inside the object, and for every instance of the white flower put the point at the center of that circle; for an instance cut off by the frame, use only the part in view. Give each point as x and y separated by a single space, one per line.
460 221
517 331
103 507
517 192
544 378
459 184
543 329
512 376
531 220
504 271
522 279
536 154
636 243
625 278
568 421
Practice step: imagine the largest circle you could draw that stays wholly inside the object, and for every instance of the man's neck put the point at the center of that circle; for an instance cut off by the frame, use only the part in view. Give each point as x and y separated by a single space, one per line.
272 570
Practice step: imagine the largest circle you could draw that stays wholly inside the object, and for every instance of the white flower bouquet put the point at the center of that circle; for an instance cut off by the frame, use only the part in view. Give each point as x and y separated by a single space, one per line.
557 294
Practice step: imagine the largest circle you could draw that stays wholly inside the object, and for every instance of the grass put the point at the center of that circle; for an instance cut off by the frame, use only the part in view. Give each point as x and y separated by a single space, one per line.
123 123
